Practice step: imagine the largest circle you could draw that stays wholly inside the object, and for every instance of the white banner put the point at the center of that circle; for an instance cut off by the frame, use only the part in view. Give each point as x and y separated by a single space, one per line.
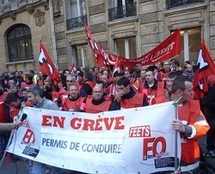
125 141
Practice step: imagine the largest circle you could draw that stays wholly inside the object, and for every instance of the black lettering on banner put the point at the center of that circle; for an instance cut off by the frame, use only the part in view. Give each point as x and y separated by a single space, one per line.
74 146
30 151
102 148
165 162
54 143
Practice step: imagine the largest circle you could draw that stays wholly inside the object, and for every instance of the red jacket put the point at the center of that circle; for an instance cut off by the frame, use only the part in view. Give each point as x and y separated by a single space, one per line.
72 104
160 99
63 93
91 108
25 85
135 101
191 113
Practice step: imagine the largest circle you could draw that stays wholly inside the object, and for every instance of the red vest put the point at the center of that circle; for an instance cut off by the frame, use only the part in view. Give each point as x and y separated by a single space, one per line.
135 101
190 149
161 92
79 86
63 93
159 99
69 104
24 85
90 83
162 75
91 108
55 95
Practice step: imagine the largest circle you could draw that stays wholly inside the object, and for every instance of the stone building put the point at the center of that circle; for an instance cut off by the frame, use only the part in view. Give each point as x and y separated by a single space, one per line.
131 28
128 28
23 24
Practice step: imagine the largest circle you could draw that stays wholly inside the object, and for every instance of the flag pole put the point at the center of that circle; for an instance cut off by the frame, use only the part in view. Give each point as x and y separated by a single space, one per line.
176 164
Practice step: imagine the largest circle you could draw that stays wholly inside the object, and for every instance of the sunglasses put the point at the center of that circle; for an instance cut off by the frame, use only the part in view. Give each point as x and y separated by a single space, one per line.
69 81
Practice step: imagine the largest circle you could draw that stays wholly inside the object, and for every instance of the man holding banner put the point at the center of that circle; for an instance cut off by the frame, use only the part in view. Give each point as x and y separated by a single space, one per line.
36 96
191 123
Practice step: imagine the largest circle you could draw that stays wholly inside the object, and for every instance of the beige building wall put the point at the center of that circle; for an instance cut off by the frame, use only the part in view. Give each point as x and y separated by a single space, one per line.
38 20
152 24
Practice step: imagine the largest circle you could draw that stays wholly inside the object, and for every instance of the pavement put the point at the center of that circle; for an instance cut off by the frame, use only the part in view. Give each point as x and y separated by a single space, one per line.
9 167
18 167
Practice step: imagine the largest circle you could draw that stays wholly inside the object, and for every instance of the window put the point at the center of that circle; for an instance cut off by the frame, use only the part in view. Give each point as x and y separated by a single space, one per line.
118 3
177 3
190 44
76 13
19 43
76 8
3 1
126 47
121 9
80 55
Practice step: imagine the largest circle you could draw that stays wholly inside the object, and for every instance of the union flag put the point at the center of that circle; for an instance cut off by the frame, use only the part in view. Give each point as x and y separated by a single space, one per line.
205 68
46 65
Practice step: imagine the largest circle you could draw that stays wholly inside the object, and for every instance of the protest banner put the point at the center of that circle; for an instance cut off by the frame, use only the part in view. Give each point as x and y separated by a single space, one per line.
125 141
167 49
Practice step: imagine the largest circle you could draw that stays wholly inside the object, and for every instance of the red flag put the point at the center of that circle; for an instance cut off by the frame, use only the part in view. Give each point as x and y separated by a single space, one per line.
117 67
206 68
46 65
167 49
97 50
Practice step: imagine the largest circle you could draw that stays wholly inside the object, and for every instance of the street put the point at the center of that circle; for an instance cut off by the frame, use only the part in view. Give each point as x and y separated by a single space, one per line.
9 167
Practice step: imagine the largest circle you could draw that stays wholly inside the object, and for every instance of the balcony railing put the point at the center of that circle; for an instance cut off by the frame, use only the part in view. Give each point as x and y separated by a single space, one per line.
122 11
76 22
177 3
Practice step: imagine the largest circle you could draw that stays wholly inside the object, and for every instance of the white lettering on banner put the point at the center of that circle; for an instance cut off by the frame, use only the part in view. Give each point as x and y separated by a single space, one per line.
162 52
125 141
140 131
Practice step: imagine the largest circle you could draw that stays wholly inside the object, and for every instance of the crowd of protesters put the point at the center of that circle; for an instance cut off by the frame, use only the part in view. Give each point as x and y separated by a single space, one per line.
94 90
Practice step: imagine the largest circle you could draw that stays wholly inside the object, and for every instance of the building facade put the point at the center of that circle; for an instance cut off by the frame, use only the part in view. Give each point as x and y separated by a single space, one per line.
23 23
129 28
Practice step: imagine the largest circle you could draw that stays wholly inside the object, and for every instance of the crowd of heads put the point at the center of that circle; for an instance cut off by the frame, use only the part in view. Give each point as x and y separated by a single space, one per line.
18 82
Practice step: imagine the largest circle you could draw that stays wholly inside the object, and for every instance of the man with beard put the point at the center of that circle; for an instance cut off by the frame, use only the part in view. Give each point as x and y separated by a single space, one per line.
36 97
188 71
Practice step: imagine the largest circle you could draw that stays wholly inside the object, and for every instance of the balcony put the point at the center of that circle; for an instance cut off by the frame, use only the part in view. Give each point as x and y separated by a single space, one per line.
177 3
122 11
76 22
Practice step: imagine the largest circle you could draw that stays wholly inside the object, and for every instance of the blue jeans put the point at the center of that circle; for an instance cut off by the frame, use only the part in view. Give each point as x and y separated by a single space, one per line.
40 168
